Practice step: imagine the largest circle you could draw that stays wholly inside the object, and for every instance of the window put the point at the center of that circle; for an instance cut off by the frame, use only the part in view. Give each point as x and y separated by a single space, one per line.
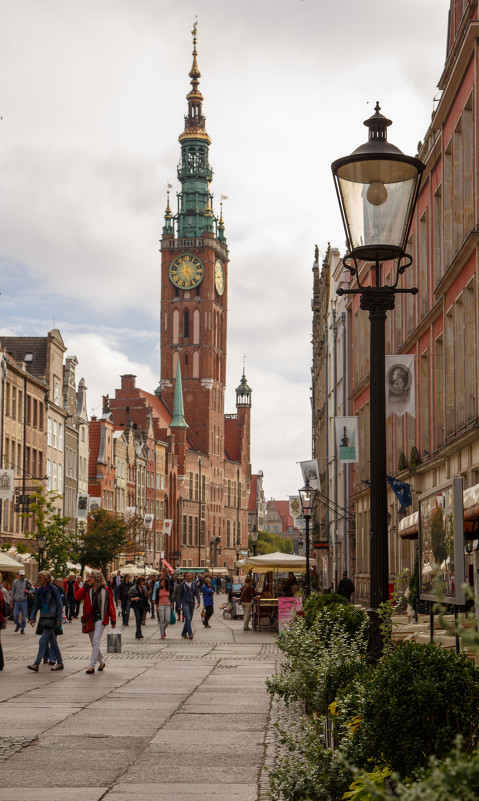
60 478
14 401
190 530
57 393
55 434
20 404
50 428
28 421
54 476
60 437
184 527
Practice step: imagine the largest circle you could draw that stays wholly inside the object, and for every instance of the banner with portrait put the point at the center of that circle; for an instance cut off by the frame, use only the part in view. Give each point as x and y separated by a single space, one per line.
94 503
310 473
148 521
6 484
82 506
346 431
400 386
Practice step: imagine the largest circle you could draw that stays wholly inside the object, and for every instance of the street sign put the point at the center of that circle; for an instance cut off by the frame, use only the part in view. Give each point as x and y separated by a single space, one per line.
321 545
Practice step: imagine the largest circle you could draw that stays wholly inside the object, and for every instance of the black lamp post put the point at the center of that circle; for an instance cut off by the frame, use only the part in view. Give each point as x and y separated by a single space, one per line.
306 496
377 188
42 544
254 536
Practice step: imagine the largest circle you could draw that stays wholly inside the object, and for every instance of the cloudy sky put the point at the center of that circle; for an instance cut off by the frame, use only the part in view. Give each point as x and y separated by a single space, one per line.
92 96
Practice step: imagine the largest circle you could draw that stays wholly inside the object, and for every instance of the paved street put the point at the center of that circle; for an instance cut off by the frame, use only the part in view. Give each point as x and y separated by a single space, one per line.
173 717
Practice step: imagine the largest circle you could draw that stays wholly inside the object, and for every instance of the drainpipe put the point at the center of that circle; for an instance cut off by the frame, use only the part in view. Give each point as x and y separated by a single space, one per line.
345 467
326 417
335 449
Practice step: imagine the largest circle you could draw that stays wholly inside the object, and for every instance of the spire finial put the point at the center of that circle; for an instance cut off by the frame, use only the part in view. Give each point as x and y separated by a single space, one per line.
195 74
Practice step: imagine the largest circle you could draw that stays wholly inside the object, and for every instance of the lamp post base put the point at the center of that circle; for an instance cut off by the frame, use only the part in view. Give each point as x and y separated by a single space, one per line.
375 639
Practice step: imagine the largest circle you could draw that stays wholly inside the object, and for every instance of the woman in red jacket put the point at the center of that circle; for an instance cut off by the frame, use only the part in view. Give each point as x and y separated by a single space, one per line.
98 611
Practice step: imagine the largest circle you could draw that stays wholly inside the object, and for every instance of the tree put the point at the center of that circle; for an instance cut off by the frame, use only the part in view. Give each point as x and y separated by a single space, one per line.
270 543
105 537
51 525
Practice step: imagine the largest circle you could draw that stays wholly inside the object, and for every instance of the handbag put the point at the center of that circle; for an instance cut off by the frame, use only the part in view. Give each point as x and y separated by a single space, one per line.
113 642
48 620
172 617
87 623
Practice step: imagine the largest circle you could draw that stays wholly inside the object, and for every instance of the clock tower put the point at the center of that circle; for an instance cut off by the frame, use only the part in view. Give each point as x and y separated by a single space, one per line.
194 285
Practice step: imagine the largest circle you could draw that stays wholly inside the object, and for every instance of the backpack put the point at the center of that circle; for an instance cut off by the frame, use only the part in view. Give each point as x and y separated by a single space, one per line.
7 606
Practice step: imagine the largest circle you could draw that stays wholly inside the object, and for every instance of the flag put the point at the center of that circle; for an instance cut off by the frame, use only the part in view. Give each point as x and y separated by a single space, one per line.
170 186
167 525
401 490
224 197
148 521
82 506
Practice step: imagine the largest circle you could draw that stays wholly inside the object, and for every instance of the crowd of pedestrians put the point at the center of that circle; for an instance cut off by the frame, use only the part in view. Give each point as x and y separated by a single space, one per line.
50 603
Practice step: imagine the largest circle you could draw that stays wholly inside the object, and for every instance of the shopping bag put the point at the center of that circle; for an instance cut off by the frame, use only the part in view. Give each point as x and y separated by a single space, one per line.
113 642
172 617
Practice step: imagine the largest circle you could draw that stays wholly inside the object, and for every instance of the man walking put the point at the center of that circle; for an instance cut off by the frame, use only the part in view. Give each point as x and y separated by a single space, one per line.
123 597
345 587
21 590
187 592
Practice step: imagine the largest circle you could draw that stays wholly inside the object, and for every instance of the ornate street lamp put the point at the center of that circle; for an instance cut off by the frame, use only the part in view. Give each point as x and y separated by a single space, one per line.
306 496
42 544
254 536
377 188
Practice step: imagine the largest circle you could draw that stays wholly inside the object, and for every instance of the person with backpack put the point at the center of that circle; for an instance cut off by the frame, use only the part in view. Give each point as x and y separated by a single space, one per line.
21 589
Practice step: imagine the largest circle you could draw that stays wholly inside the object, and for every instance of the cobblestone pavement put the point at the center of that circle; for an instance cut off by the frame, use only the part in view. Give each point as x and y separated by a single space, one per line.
189 719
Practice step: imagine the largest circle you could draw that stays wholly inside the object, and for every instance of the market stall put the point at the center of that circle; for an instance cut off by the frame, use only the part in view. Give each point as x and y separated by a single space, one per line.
270 567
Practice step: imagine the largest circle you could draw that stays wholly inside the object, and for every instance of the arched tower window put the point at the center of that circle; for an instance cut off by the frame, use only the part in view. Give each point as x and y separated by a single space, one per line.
176 326
186 324
196 327
175 362
196 364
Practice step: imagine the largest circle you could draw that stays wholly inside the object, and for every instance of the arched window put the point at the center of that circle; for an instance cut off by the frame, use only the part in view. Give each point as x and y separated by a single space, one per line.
175 362
176 326
196 364
196 327
186 324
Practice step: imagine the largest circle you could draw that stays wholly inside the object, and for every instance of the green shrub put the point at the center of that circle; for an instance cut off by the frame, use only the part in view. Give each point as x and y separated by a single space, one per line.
321 660
310 772
318 602
415 702
454 777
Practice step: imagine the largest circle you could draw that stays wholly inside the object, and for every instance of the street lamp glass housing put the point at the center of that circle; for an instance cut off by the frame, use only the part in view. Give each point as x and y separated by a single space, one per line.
306 496
42 543
254 534
377 187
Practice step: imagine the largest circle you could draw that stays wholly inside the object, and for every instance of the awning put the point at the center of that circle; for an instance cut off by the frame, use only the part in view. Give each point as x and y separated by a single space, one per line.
279 562
409 526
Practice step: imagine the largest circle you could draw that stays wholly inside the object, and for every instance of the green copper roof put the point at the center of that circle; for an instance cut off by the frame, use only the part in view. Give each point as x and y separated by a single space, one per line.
178 419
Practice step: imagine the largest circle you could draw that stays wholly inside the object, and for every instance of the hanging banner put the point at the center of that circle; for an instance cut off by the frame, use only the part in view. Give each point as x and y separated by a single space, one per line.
94 503
294 506
82 506
346 429
310 473
6 484
148 521
167 526
400 386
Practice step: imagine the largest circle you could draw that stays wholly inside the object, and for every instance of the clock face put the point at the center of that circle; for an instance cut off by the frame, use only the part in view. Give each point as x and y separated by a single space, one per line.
219 277
186 271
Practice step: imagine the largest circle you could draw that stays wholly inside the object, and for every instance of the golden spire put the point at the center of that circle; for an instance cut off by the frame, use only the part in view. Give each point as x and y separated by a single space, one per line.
195 74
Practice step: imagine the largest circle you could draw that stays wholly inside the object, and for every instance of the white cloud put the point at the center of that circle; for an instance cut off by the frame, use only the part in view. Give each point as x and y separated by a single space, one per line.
93 99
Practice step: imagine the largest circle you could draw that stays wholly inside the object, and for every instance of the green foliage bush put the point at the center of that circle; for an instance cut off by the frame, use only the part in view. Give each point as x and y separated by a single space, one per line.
322 659
415 702
318 602
310 772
